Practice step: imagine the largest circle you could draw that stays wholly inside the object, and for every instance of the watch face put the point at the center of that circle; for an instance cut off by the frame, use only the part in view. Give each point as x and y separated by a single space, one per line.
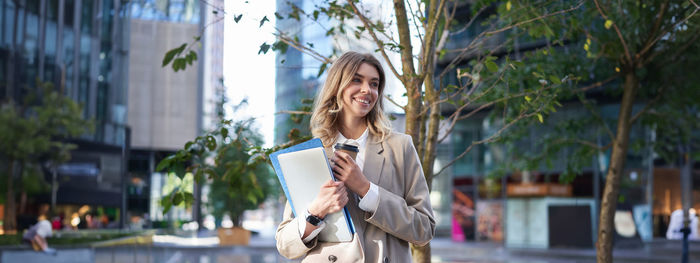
313 220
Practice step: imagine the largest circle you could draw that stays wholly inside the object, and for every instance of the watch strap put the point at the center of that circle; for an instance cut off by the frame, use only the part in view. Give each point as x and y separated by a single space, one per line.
312 219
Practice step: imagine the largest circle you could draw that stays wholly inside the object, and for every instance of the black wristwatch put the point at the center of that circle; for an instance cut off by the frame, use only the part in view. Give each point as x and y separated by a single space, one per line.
312 219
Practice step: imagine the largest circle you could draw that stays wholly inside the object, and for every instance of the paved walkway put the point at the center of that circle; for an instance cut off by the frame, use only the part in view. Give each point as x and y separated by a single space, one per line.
172 249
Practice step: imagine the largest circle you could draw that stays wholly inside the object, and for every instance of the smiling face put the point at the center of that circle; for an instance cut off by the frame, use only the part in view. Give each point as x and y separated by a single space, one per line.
360 96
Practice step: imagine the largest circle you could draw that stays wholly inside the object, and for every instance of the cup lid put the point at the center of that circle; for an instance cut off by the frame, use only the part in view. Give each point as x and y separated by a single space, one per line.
347 147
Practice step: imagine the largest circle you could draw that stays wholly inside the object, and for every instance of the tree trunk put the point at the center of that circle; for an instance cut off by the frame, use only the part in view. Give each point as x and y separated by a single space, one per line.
420 254
9 222
606 231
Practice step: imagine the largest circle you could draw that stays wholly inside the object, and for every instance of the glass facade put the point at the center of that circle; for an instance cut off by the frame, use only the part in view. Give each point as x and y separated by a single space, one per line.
76 45
296 75
179 11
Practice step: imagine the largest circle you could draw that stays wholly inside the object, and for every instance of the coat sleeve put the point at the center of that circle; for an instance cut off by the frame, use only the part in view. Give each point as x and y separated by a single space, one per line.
410 217
289 242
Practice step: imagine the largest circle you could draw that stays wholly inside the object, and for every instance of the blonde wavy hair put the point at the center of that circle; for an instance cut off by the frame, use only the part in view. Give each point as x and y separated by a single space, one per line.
329 102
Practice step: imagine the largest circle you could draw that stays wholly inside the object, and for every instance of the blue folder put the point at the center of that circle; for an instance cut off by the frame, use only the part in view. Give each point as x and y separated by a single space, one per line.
301 170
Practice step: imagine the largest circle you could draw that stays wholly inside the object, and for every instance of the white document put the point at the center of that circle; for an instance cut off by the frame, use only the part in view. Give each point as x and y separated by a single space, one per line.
304 173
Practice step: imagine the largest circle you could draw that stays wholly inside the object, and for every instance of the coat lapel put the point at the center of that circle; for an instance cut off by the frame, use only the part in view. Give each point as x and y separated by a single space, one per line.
374 160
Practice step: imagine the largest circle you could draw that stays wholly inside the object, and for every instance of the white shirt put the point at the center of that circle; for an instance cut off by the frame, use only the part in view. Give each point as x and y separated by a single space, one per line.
368 203
42 229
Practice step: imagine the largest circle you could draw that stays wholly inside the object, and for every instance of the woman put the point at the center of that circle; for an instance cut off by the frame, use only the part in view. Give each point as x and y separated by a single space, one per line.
384 189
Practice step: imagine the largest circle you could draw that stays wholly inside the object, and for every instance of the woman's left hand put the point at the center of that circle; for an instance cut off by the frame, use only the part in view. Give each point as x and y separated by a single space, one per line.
347 171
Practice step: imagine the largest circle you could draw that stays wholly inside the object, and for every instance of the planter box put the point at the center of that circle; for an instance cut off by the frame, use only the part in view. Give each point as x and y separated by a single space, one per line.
235 236
538 190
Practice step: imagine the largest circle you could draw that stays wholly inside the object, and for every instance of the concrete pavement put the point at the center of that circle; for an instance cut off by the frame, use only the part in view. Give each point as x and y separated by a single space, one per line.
262 249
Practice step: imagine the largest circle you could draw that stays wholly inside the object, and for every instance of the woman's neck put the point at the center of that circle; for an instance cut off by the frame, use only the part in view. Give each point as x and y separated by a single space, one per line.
352 128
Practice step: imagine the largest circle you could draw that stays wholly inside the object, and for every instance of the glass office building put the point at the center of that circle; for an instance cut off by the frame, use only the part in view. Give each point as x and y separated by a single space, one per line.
74 43
79 46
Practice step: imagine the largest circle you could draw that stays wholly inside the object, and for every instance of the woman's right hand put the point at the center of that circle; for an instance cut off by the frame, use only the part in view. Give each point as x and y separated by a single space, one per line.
332 198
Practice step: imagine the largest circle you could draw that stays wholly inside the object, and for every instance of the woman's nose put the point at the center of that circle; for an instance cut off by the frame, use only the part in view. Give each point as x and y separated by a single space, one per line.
365 87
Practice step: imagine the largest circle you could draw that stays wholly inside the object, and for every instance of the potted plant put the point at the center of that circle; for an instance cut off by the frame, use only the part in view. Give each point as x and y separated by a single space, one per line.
243 184
236 167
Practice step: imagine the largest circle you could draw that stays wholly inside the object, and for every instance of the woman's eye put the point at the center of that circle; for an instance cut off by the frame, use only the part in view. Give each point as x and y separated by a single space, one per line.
375 84
356 80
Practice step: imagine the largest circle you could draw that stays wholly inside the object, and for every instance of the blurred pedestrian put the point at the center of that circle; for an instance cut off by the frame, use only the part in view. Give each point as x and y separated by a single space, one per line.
37 234
56 223
388 214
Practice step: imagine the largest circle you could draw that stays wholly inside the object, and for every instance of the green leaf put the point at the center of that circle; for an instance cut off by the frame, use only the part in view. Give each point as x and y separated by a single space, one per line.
263 48
263 20
315 14
554 79
193 54
212 174
189 59
166 204
237 18
224 132
211 143
179 64
165 163
189 198
177 199
252 198
278 16
281 47
321 70
540 118
179 170
491 66
172 53
442 54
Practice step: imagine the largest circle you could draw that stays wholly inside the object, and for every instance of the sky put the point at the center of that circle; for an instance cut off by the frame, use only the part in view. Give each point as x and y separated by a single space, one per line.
247 74
252 75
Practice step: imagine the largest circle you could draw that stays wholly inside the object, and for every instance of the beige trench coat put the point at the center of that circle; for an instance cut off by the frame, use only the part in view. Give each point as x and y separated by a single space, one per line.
404 214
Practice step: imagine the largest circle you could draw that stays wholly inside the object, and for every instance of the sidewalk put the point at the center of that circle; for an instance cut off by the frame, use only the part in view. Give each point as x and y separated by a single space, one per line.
445 250
205 248
659 250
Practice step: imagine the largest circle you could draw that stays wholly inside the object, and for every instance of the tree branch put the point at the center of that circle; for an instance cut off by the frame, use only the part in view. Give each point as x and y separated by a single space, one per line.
648 105
420 17
394 102
489 139
383 32
455 116
651 43
471 21
597 84
569 140
674 58
597 116
536 18
428 45
380 44
294 112
696 5
302 48
617 30
445 32
657 25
